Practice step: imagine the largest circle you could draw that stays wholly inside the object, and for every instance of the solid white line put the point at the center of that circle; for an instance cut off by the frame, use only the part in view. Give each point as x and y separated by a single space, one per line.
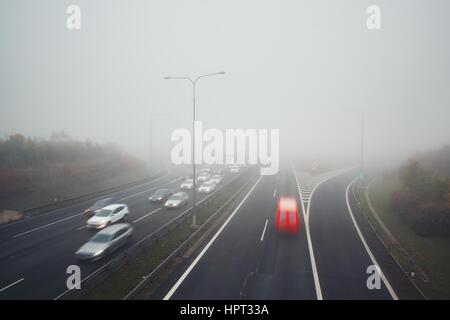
47 225
310 247
264 230
12 284
197 259
369 252
148 214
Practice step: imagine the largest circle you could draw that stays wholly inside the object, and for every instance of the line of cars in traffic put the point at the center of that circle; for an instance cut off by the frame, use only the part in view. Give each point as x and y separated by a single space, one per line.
111 217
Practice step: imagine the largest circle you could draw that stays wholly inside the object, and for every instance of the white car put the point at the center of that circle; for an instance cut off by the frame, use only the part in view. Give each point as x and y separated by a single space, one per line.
205 170
109 215
235 169
187 184
177 200
203 177
216 178
207 187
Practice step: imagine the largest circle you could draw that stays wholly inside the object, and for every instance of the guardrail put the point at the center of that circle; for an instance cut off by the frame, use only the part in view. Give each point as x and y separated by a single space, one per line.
385 246
68 202
116 263
182 246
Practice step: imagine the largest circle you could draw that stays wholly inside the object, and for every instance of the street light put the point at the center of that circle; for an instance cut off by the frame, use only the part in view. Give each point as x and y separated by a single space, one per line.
194 82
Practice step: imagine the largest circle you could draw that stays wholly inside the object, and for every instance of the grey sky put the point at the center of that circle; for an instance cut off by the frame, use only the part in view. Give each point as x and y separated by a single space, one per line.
292 65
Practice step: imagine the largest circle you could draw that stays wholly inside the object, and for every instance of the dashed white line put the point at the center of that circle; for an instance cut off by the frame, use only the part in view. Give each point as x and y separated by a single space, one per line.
148 214
264 230
82 227
274 192
47 225
12 284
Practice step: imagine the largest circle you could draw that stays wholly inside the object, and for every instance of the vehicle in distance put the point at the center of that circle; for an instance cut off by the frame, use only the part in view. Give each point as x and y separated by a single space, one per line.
235 169
105 242
108 215
203 177
205 170
287 218
177 200
207 187
187 184
160 195
98 205
218 171
216 178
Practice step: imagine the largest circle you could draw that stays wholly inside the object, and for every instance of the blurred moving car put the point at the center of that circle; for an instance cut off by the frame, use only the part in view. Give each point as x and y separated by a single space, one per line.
218 171
108 215
203 177
235 169
216 178
205 170
105 242
160 195
287 218
177 200
98 205
207 187
187 184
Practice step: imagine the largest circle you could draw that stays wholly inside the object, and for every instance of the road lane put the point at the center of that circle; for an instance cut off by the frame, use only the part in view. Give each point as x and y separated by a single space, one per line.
238 265
341 258
43 256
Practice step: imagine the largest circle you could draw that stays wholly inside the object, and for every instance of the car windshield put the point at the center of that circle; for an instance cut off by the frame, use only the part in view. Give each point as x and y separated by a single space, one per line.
217 176
101 237
103 213
176 197
101 203
188 181
160 192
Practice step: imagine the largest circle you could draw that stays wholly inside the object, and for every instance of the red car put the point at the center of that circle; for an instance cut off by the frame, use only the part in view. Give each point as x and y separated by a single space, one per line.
287 218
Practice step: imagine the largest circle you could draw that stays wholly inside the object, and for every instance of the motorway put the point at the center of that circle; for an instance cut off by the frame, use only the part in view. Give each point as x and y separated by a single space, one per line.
35 253
247 259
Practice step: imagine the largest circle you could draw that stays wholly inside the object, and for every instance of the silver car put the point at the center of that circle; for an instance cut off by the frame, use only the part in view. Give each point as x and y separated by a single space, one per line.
105 242
177 200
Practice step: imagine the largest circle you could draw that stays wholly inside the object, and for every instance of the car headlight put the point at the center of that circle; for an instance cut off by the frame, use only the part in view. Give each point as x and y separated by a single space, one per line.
98 253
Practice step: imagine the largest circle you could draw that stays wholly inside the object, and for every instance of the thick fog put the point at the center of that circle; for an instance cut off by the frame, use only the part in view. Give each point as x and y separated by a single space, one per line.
308 68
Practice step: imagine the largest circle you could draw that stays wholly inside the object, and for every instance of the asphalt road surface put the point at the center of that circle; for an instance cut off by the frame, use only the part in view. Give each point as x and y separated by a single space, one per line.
247 259
35 253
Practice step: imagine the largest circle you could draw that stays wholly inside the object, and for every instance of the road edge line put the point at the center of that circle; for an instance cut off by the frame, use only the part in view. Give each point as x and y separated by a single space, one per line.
308 238
208 245
363 240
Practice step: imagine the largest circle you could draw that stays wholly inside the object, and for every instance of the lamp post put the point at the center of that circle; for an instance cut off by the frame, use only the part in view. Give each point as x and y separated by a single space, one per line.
194 81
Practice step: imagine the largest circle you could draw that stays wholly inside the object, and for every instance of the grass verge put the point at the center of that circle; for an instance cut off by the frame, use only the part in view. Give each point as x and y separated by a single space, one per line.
430 254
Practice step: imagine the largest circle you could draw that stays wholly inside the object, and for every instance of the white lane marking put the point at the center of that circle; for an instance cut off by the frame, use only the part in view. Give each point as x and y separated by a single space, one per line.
310 247
264 230
274 192
47 225
148 214
12 284
197 259
369 252
82 227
